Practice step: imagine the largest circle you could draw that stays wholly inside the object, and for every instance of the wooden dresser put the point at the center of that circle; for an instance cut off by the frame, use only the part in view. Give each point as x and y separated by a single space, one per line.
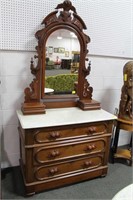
63 146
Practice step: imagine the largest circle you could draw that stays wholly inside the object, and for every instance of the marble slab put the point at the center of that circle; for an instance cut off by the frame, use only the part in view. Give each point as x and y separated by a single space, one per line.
63 116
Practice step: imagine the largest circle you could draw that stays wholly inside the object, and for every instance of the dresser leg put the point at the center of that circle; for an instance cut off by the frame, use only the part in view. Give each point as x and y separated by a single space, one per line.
29 191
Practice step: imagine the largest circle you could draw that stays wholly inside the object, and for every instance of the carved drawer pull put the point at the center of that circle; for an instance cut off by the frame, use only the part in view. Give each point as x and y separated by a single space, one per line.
92 130
53 170
91 147
55 153
54 135
87 163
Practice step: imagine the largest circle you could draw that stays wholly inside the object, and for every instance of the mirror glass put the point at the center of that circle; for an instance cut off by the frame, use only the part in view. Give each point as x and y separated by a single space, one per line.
62 62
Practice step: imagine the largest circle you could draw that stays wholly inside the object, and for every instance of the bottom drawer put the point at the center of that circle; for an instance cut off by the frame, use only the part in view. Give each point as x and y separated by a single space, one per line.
51 171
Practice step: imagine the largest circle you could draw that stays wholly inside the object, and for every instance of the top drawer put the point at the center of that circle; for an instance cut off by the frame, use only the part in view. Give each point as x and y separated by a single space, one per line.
44 135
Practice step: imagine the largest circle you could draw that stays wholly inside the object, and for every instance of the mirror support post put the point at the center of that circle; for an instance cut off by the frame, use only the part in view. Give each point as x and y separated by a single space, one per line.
32 104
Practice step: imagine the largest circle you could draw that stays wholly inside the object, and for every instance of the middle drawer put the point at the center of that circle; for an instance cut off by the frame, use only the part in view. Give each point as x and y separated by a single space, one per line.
68 150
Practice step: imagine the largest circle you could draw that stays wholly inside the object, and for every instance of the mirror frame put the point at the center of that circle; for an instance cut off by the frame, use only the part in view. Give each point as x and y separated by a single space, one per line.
65 17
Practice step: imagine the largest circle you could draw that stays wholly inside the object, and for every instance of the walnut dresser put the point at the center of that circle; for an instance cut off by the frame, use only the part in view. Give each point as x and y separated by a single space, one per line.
63 146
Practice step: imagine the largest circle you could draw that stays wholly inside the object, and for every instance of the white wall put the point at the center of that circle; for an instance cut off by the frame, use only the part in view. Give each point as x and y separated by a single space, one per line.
15 76
109 24
105 78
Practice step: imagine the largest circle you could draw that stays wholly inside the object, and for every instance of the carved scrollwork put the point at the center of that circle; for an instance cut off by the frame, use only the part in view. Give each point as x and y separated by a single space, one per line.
67 6
51 18
87 91
64 17
86 71
31 93
34 69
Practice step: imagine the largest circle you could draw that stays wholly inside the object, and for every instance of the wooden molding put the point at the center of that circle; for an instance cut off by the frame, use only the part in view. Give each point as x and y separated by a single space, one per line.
33 108
89 104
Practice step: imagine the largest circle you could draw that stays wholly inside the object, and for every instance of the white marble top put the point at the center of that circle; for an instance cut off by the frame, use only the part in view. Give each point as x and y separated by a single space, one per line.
63 116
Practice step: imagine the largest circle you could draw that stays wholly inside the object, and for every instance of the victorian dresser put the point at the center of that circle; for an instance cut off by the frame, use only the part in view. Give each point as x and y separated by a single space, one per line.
63 146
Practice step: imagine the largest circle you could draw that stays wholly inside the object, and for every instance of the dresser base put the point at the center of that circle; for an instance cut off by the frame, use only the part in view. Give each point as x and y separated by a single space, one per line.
71 149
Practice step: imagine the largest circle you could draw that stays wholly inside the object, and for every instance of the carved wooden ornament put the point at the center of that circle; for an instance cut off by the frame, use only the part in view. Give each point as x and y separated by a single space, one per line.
126 102
64 17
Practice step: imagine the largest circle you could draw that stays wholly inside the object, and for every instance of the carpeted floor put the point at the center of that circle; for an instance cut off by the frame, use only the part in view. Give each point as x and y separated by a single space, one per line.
119 175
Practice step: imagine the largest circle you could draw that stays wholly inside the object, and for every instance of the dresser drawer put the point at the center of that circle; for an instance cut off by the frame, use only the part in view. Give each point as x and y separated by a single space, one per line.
68 150
66 168
61 133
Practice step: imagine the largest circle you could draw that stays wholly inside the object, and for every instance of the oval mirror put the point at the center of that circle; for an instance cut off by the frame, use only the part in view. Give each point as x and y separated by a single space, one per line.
62 62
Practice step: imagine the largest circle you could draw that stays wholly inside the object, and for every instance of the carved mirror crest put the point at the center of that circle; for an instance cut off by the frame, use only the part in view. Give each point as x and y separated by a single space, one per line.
39 95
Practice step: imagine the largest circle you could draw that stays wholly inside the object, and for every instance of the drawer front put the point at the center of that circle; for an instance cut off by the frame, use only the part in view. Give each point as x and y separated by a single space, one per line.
53 171
68 150
57 134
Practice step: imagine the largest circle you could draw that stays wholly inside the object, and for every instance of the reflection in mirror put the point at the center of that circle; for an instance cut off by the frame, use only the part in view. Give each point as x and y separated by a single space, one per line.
62 62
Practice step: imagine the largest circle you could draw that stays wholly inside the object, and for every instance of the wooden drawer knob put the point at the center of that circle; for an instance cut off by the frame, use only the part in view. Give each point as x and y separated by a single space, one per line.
91 147
53 170
55 153
54 135
91 130
87 163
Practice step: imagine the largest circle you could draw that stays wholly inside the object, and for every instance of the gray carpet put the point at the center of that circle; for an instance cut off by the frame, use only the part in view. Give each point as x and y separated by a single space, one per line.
119 175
